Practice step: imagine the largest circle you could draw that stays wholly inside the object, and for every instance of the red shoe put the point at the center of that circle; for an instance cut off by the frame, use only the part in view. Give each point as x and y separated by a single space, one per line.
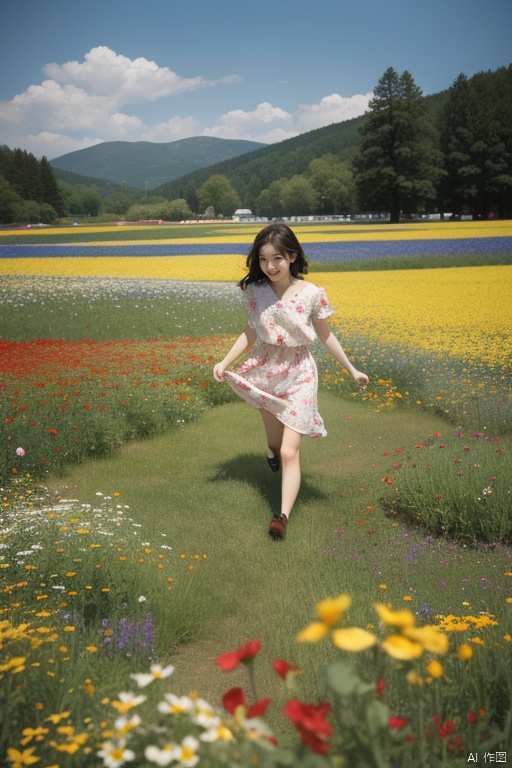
277 527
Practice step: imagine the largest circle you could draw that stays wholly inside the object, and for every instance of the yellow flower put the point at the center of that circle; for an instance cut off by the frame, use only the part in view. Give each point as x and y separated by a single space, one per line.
55 719
413 678
400 647
353 639
20 759
464 652
430 638
329 612
394 618
435 669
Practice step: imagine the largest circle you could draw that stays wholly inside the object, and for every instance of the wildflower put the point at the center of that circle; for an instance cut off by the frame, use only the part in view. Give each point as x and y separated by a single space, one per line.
329 612
127 701
464 652
115 754
175 705
217 732
20 759
162 756
435 669
310 722
397 722
353 639
123 724
394 618
443 729
244 655
157 672
234 702
286 671
20 452
185 753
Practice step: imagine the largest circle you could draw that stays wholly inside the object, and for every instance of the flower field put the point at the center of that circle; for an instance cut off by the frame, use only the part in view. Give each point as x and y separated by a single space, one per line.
108 335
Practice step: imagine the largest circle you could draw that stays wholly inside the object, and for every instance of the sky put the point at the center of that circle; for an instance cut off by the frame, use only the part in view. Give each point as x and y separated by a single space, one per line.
75 74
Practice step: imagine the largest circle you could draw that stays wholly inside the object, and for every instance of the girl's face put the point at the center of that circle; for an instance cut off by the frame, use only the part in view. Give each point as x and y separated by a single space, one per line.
274 265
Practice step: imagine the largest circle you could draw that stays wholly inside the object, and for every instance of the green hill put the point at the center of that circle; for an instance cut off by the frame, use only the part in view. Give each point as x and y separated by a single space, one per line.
143 164
258 169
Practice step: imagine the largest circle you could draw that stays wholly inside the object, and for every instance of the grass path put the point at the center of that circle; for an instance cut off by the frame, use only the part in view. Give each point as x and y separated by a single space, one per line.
209 489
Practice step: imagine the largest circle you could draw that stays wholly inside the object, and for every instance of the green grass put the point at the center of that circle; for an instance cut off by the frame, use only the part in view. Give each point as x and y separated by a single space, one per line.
208 487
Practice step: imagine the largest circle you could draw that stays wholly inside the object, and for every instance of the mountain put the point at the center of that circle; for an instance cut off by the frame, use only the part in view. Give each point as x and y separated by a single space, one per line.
253 172
144 164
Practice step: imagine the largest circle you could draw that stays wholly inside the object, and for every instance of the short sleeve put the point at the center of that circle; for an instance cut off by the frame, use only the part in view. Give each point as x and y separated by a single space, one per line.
249 304
321 307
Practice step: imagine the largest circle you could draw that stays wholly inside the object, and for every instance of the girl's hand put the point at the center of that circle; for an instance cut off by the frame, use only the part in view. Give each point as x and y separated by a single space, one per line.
361 378
218 372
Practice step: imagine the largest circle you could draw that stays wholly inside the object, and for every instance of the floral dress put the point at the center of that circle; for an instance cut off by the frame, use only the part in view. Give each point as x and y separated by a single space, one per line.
279 373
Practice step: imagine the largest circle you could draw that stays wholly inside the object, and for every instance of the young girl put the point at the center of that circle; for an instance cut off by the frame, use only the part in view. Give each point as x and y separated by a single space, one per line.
279 375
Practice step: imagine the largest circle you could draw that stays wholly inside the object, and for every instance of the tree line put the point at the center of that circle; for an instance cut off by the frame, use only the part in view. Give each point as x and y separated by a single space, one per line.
408 155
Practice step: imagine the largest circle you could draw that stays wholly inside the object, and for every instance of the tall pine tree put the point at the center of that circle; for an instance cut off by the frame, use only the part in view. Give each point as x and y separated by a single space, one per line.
476 131
398 166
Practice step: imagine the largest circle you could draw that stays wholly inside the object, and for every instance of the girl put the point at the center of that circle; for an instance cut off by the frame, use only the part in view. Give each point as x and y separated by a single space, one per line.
279 375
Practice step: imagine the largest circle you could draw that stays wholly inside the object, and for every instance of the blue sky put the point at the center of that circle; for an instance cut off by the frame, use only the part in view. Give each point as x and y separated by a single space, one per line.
74 74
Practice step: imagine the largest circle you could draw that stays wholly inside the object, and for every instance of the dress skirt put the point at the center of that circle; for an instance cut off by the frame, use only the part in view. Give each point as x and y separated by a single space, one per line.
283 380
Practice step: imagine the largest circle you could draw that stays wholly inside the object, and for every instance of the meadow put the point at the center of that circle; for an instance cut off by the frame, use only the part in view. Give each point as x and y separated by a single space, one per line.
117 444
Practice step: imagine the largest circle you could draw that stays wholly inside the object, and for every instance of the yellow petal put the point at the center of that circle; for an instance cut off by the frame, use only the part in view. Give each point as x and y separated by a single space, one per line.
330 610
430 638
353 639
312 633
399 647
394 618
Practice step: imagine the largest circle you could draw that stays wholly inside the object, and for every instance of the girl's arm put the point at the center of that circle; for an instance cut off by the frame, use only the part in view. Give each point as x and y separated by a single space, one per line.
246 339
332 344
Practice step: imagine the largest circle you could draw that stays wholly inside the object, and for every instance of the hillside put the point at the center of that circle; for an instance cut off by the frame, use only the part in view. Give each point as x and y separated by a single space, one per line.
257 170
143 164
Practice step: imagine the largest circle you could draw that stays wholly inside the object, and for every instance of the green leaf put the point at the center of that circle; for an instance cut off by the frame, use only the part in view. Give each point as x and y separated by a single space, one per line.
377 717
343 679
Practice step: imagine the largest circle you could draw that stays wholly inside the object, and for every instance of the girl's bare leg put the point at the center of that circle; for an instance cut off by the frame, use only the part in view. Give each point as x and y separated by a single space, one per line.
274 430
291 469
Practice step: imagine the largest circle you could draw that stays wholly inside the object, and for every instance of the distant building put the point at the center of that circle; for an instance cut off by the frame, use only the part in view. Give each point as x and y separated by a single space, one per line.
242 214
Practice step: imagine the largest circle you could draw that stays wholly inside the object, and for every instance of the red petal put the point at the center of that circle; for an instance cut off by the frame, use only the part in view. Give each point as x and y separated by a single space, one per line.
258 709
228 661
233 699
282 668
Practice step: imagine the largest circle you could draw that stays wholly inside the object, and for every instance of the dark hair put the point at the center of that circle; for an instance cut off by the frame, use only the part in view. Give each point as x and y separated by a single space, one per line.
285 242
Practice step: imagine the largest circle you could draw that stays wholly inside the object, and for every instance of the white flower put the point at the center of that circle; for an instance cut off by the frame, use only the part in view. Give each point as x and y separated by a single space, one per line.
160 756
185 752
114 754
142 599
127 700
145 678
175 705
124 724
216 733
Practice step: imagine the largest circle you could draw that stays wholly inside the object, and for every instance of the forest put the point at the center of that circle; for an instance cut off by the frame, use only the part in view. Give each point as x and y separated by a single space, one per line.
409 155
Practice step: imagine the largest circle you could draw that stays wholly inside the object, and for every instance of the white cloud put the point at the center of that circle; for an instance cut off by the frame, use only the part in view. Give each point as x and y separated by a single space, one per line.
238 124
331 109
107 74
82 103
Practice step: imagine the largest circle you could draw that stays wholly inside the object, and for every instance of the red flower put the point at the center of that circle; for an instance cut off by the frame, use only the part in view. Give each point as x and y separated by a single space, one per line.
244 655
309 720
283 668
397 722
444 729
380 686
53 431
235 698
